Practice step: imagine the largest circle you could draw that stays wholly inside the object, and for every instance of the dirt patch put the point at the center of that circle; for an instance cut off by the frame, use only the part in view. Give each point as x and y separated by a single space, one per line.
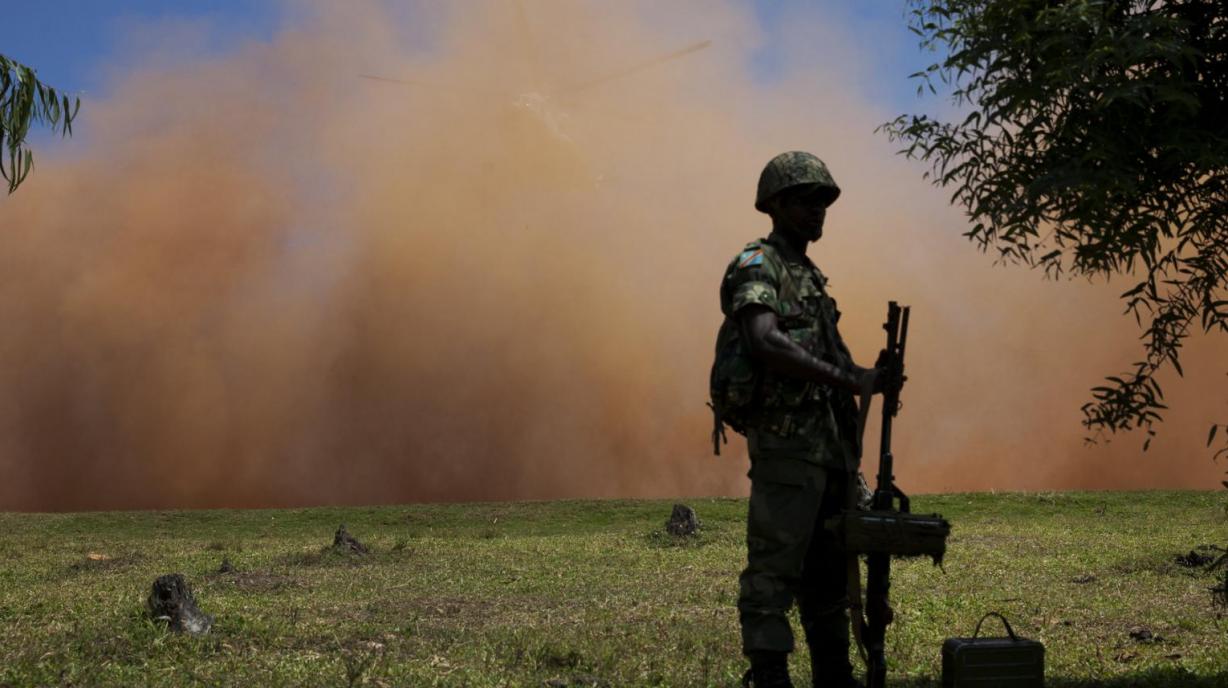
100 562
252 581
1157 563
445 611
457 608
263 581
326 556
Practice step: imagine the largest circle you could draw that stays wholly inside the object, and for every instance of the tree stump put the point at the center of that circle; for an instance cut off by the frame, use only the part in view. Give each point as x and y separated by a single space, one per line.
682 522
172 601
1194 559
344 542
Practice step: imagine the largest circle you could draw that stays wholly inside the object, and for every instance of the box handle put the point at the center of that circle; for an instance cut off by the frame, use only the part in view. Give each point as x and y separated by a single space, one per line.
1006 623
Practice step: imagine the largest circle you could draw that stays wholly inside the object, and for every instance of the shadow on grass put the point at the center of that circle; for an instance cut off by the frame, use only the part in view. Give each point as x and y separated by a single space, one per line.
1151 678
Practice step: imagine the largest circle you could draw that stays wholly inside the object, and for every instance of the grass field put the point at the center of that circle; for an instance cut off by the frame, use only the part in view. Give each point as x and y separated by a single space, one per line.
582 594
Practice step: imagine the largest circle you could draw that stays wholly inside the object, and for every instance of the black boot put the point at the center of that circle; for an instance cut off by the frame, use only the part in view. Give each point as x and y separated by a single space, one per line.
827 635
832 671
768 670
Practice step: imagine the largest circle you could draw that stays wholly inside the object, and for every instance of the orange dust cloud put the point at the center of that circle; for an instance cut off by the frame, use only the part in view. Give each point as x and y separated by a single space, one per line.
260 279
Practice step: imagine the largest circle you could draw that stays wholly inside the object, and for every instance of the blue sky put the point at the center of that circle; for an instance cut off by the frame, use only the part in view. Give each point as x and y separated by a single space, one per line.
71 42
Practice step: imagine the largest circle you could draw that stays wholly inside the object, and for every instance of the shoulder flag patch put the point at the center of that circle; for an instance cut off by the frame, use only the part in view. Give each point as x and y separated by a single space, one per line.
749 258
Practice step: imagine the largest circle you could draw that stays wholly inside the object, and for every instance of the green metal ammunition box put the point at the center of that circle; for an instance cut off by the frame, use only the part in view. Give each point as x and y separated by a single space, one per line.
980 662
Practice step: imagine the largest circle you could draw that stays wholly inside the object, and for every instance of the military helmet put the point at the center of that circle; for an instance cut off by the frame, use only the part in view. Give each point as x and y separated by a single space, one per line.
795 168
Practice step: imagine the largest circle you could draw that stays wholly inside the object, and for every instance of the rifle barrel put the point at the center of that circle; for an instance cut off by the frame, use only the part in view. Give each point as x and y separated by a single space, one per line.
890 401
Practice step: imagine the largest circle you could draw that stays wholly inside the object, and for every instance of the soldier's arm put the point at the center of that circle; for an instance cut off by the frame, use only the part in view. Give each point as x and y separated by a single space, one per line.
771 346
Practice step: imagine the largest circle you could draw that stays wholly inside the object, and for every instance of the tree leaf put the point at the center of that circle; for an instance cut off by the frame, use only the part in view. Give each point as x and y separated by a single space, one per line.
1090 130
25 100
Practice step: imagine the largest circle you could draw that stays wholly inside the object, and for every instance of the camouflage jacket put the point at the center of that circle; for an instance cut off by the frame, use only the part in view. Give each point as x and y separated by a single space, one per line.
817 421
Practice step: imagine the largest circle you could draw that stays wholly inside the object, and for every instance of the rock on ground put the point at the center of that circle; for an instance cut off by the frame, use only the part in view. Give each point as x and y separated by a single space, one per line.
345 542
171 600
683 521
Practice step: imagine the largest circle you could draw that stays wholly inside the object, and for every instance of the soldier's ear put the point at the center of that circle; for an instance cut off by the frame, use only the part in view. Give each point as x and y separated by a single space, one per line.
773 205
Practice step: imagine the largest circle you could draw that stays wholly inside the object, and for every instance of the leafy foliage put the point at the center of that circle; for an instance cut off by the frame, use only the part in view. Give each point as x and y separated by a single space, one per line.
25 100
1094 142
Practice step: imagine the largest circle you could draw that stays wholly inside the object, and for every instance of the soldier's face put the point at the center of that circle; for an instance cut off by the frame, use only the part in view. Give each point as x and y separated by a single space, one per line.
803 212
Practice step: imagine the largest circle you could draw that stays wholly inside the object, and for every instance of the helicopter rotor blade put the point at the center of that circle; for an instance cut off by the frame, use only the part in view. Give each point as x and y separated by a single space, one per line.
636 68
437 87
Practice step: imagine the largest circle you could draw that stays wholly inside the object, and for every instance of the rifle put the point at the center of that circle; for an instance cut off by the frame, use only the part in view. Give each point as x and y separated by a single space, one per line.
888 528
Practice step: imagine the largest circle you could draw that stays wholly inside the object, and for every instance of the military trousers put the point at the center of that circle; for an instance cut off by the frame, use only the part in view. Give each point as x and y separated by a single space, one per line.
792 558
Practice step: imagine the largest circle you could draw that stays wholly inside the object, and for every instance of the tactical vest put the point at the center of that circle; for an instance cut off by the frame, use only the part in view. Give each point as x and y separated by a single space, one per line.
744 395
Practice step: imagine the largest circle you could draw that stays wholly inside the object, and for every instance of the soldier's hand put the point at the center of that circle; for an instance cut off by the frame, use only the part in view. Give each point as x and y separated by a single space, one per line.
882 360
865 497
871 379
882 380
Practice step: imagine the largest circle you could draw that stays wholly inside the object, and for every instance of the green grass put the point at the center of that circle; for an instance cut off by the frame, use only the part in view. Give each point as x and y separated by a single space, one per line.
582 593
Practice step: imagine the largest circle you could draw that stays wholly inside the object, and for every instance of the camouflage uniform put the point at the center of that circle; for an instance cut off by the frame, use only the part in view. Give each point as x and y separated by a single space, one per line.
801 438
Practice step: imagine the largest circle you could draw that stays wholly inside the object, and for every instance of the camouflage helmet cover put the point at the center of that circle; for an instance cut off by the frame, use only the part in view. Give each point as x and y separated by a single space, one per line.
795 168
